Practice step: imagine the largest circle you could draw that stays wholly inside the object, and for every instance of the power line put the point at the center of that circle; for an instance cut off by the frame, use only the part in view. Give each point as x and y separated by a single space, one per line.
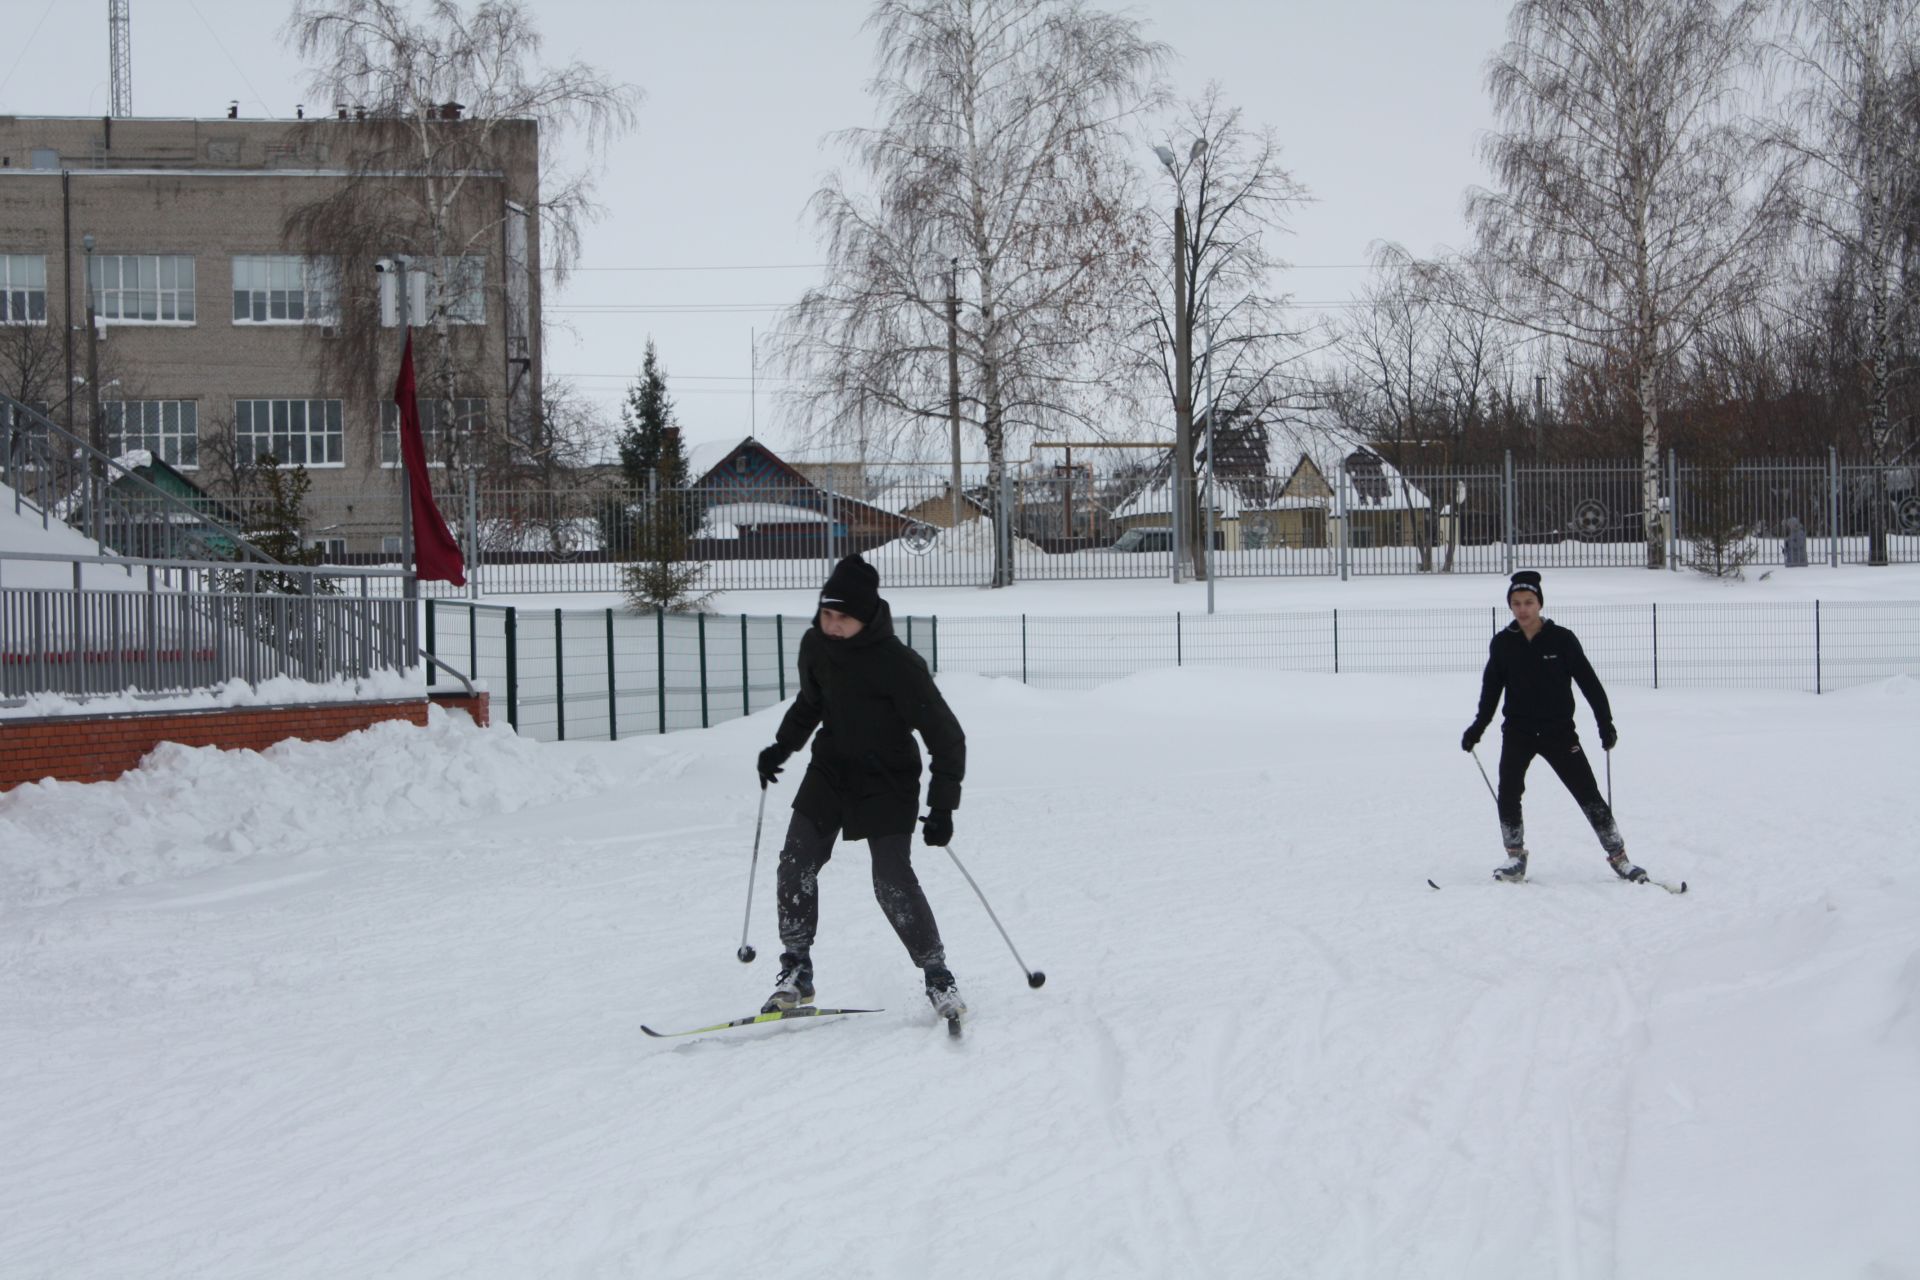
22 57
820 266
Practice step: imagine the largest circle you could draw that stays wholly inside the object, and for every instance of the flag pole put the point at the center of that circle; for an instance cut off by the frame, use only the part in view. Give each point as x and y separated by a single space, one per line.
410 584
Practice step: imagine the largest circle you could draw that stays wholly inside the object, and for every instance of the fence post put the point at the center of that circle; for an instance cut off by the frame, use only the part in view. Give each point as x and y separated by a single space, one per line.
1673 510
1507 504
936 644
1023 648
1816 649
660 657
1656 646
613 688
1336 642
1179 641
1345 517
473 639
705 720
560 673
746 679
1833 506
432 632
780 651
513 667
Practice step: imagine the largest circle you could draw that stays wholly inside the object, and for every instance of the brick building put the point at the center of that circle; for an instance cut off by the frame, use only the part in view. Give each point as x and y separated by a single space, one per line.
221 336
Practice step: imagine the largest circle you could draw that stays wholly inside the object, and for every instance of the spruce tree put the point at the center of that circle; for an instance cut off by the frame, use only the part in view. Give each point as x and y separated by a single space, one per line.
657 524
649 436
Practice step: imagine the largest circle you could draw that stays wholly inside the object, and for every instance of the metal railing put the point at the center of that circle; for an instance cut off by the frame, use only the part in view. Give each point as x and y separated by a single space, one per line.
56 476
610 673
1084 525
178 625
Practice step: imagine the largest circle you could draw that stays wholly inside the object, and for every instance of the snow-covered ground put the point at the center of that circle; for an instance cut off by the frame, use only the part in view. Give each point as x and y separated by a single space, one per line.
372 1007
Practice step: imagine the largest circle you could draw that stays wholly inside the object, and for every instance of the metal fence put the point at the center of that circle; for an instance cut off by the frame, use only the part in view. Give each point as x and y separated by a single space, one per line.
606 673
173 626
1088 525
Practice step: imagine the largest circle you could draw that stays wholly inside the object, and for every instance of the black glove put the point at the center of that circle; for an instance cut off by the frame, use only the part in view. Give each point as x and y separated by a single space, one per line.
769 764
1608 736
1471 738
937 828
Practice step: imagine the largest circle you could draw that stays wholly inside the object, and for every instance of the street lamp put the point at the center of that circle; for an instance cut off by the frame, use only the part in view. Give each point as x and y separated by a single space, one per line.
1182 351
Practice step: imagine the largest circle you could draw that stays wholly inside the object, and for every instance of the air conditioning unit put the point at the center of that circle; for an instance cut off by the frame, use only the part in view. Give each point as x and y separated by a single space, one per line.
329 331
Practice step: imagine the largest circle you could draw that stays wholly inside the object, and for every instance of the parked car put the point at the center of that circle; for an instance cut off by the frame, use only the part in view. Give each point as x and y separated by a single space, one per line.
1144 539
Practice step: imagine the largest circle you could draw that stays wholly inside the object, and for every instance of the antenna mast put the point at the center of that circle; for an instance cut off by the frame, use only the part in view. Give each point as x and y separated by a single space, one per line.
120 49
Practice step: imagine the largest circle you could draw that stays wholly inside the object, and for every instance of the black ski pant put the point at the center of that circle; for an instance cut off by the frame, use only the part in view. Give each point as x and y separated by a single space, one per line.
1560 748
895 885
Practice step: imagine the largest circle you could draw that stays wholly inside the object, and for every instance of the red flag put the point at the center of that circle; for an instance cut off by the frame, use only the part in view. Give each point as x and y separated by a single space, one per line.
435 552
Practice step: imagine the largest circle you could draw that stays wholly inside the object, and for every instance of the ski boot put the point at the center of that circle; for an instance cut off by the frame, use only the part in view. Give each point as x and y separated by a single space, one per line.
1514 870
944 993
794 986
1625 869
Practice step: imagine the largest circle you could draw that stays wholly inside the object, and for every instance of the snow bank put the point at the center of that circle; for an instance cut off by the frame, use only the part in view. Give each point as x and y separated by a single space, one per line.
190 809
281 690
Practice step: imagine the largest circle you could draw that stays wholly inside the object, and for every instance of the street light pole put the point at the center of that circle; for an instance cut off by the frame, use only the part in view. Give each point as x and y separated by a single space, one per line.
953 384
1182 471
1213 460
94 434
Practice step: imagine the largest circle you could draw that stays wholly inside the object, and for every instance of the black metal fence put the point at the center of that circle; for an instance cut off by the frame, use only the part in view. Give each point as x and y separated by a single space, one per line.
609 673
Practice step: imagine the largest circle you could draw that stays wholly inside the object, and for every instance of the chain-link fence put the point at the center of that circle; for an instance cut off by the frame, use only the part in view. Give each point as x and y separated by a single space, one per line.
607 673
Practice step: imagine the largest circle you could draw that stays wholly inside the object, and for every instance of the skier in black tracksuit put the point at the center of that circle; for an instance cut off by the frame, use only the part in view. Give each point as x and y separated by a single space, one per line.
1537 664
867 693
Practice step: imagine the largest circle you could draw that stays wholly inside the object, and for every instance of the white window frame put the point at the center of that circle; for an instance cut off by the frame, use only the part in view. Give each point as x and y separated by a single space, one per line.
119 302
469 413
291 418
23 283
332 548
469 307
168 429
285 289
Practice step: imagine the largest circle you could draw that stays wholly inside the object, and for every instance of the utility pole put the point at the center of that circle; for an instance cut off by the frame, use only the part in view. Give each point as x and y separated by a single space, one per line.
94 467
953 382
410 584
1182 388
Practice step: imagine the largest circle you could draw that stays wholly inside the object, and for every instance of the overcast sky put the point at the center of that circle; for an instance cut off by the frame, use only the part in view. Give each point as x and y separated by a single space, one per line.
1378 104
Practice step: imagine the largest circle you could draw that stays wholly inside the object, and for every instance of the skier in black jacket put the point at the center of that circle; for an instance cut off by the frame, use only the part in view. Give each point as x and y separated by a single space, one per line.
867 693
1537 664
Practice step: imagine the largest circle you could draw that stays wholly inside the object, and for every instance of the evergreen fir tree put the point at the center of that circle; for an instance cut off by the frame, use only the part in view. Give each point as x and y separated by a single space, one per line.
649 436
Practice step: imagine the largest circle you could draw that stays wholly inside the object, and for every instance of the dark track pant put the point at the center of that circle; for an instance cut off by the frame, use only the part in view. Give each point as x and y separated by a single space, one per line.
1563 752
894 885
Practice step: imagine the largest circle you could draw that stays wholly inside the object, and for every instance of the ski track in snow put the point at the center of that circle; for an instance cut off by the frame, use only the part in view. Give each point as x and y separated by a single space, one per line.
251 1029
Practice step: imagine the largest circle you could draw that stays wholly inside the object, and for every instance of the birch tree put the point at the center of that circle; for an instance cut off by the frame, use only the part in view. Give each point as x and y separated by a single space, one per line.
1855 125
1632 208
997 172
446 102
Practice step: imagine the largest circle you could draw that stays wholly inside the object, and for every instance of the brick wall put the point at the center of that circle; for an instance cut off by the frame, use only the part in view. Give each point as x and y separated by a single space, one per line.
99 748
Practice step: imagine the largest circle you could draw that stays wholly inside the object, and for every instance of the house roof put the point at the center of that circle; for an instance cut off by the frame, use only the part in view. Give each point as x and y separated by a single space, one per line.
1249 480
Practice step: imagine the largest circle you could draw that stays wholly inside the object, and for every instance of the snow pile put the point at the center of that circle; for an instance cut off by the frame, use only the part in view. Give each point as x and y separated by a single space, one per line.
279 691
1265 1048
188 809
22 531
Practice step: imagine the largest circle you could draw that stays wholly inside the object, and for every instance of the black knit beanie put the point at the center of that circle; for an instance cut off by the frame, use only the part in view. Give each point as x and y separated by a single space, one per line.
1527 580
853 588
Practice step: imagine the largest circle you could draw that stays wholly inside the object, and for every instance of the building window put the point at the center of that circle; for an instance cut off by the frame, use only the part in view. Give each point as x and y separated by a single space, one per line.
23 288
469 418
285 289
332 550
464 289
142 288
167 429
295 432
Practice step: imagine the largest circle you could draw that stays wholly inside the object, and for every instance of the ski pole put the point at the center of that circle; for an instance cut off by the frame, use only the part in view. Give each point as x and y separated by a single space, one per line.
1035 978
745 954
1489 781
1609 779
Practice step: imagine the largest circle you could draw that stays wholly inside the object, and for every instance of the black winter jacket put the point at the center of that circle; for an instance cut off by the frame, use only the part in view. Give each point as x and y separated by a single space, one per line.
868 695
1538 676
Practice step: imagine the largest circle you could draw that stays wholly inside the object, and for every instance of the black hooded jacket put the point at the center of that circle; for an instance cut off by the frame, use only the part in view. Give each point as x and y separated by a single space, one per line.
1538 676
867 696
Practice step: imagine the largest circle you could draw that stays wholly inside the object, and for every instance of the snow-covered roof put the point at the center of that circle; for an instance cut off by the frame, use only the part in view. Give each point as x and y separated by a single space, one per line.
726 519
702 458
